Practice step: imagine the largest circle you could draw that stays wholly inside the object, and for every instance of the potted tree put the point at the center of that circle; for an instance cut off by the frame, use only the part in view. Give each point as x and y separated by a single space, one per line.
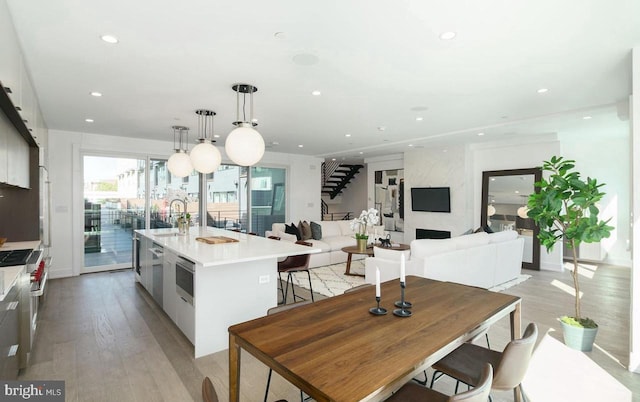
564 206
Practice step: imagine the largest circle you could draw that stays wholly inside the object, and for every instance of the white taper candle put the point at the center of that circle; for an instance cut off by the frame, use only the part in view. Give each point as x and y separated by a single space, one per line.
402 267
377 282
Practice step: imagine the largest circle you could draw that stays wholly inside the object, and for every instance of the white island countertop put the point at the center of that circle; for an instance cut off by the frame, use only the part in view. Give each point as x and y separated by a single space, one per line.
248 248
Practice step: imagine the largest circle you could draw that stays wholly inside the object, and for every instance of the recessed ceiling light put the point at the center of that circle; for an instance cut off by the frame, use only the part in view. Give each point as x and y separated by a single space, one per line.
587 117
480 134
360 152
493 179
517 192
275 143
316 93
347 135
419 118
109 39
410 145
216 136
447 35
96 94
382 128
300 146
333 159
444 150
89 120
543 90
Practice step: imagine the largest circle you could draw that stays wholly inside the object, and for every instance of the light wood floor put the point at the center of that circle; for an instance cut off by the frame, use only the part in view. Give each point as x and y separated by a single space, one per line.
103 334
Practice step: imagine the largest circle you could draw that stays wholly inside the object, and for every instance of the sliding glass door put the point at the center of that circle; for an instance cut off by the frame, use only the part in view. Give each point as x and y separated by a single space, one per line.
114 206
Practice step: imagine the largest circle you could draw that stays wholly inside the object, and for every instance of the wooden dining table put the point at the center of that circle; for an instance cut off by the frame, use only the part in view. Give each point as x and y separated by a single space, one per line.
336 350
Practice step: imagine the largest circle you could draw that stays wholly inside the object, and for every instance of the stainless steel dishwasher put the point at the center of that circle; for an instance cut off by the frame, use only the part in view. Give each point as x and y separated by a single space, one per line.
157 267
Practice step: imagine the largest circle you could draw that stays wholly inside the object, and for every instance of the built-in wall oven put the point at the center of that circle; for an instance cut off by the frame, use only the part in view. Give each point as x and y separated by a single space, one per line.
185 270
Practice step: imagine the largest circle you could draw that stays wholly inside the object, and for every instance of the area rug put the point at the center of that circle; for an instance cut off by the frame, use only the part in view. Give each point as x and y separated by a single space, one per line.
330 280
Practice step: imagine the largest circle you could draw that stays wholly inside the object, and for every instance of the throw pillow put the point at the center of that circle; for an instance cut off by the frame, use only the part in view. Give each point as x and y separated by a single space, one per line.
292 229
305 230
316 231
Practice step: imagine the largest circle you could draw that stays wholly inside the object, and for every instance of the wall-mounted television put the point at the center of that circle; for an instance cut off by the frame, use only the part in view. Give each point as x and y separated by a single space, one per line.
430 199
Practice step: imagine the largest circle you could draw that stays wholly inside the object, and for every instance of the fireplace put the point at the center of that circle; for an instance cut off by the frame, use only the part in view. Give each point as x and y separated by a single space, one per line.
432 234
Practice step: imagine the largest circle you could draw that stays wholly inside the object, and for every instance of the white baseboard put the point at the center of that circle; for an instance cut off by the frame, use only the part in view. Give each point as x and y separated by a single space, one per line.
60 273
634 362
546 266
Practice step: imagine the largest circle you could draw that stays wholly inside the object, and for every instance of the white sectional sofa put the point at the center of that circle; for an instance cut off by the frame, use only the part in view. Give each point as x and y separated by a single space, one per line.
479 259
335 236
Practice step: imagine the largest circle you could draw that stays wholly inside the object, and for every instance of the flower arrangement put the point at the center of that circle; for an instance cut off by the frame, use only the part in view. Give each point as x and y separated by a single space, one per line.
367 218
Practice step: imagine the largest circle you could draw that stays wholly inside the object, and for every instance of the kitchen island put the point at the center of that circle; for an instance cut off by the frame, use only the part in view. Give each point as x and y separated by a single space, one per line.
230 282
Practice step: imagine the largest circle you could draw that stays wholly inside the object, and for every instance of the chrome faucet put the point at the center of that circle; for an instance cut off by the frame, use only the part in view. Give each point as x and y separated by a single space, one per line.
184 204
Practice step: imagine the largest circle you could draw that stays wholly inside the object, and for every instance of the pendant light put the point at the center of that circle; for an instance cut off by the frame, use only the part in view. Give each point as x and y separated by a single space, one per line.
205 157
491 210
244 145
179 164
524 209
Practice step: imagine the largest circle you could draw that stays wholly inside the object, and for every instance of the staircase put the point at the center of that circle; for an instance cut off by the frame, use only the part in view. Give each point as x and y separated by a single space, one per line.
336 176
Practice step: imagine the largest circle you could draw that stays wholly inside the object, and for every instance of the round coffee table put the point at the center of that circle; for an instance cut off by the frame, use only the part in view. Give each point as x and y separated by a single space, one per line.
350 250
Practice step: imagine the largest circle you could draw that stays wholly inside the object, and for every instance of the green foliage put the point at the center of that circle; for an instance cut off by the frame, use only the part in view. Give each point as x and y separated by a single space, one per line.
106 186
579 322
564 206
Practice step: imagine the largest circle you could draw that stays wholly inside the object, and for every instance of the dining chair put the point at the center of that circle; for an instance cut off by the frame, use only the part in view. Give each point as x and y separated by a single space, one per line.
279 309
292 264
209 392
412 392
465 363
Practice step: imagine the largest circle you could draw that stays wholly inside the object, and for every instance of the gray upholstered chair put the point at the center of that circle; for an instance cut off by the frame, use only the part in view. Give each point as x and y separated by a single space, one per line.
412 392
465 363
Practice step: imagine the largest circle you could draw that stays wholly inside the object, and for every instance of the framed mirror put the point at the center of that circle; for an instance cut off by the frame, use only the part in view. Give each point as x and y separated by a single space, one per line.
504 207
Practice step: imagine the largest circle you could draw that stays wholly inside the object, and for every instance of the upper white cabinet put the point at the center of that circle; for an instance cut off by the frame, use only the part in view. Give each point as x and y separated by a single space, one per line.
17 160
5 126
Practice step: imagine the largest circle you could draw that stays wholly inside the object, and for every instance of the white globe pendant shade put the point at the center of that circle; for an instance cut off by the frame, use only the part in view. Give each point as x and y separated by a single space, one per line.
491 210
522 212
244 145
205 157
179 164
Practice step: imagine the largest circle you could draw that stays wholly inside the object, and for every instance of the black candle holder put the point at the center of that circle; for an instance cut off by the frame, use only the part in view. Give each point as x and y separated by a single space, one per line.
378 310
404 305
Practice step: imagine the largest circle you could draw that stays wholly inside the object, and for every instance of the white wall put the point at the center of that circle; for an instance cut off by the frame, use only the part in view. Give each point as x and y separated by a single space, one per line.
604 154
66 176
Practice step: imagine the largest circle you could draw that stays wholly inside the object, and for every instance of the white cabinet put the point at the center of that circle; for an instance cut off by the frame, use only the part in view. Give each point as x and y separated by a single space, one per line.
5 126
176 306
169 299
17 160
186 318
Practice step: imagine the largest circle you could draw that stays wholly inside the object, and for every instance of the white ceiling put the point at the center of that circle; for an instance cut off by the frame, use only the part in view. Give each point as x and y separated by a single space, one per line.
375 61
